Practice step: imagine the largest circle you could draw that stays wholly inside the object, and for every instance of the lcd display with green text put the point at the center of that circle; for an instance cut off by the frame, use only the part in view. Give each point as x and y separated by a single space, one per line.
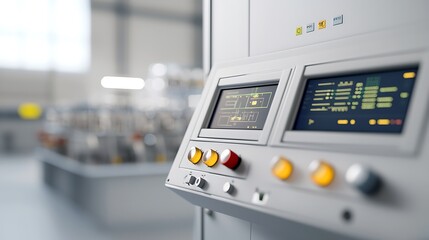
367 102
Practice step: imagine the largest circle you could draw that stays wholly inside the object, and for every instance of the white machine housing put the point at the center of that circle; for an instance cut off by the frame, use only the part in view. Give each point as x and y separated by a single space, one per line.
373 36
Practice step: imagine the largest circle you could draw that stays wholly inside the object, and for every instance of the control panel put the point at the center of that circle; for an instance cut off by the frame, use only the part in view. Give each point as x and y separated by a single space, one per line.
332 135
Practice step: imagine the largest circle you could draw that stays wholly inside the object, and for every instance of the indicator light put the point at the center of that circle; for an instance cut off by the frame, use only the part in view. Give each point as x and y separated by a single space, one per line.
298 31
404 95
210 157
383 122
321 24
282 167
322 173
409 75
343 121
195 155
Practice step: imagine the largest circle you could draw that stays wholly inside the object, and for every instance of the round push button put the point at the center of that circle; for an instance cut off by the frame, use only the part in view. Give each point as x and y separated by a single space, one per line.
228 188
210 157
322 173
282 167
230 159
194 155
363 179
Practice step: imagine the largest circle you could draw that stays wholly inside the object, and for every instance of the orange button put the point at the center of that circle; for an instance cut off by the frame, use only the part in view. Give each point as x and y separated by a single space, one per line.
194 155
210 157
322 173
282 167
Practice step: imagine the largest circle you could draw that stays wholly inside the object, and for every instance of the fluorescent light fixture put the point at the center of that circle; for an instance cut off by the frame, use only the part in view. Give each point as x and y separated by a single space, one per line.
122 82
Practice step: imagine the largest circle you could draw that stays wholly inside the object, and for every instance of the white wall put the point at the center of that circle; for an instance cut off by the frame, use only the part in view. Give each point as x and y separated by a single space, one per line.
154 37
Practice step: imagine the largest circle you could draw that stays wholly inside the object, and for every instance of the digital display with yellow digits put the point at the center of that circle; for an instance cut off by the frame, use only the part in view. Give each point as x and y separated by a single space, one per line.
367 102
243 108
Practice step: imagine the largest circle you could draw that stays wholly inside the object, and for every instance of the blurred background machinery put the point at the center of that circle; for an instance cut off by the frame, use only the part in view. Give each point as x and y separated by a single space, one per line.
149 130
105 150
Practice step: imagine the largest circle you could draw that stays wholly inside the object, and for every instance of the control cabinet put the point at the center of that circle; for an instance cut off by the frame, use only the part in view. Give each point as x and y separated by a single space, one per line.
332 135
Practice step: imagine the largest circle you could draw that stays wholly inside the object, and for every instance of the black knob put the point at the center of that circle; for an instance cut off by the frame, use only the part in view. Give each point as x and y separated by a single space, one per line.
363 179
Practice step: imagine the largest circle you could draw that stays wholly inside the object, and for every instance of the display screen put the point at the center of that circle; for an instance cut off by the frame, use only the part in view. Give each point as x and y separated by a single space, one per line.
368 102
243 108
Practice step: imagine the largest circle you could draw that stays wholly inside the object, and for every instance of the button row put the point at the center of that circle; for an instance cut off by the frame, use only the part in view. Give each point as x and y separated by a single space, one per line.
210 157
200 182
192 180
322 174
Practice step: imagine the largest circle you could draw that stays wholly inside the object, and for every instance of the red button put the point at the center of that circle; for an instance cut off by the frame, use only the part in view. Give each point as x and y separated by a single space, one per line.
230 159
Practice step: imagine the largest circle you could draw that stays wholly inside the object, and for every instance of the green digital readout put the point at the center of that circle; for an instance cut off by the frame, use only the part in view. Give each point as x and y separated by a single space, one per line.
367 102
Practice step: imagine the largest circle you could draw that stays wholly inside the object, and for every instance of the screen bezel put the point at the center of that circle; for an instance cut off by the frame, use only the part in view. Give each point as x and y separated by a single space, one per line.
243 135
405 142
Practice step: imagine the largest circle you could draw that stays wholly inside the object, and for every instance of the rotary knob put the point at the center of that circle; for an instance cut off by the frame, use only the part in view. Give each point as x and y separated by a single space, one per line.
363 179
228 188
200 182
190 180
230 159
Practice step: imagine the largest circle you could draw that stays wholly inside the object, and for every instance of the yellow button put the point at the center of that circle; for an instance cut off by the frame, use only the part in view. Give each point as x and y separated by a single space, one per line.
194 155
210 157
322 173
282 167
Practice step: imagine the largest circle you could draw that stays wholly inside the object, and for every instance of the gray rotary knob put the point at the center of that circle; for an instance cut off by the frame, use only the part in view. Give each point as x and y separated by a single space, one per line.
363 179
190 180
200 182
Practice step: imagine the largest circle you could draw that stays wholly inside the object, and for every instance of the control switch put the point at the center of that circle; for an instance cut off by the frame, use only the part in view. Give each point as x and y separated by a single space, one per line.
363 179
190 180
282 167
230 159
200 182
210 157
194 155
228 188
322 173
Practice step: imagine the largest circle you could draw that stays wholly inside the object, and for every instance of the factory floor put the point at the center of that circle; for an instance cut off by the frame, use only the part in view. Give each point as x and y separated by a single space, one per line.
31 210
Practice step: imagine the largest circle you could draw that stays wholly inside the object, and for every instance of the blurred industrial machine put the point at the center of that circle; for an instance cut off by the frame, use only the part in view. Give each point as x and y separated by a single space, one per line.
313 122
111 159
117 132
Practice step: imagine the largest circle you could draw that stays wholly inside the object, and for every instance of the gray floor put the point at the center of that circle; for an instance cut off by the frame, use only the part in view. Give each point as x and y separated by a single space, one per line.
30 210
